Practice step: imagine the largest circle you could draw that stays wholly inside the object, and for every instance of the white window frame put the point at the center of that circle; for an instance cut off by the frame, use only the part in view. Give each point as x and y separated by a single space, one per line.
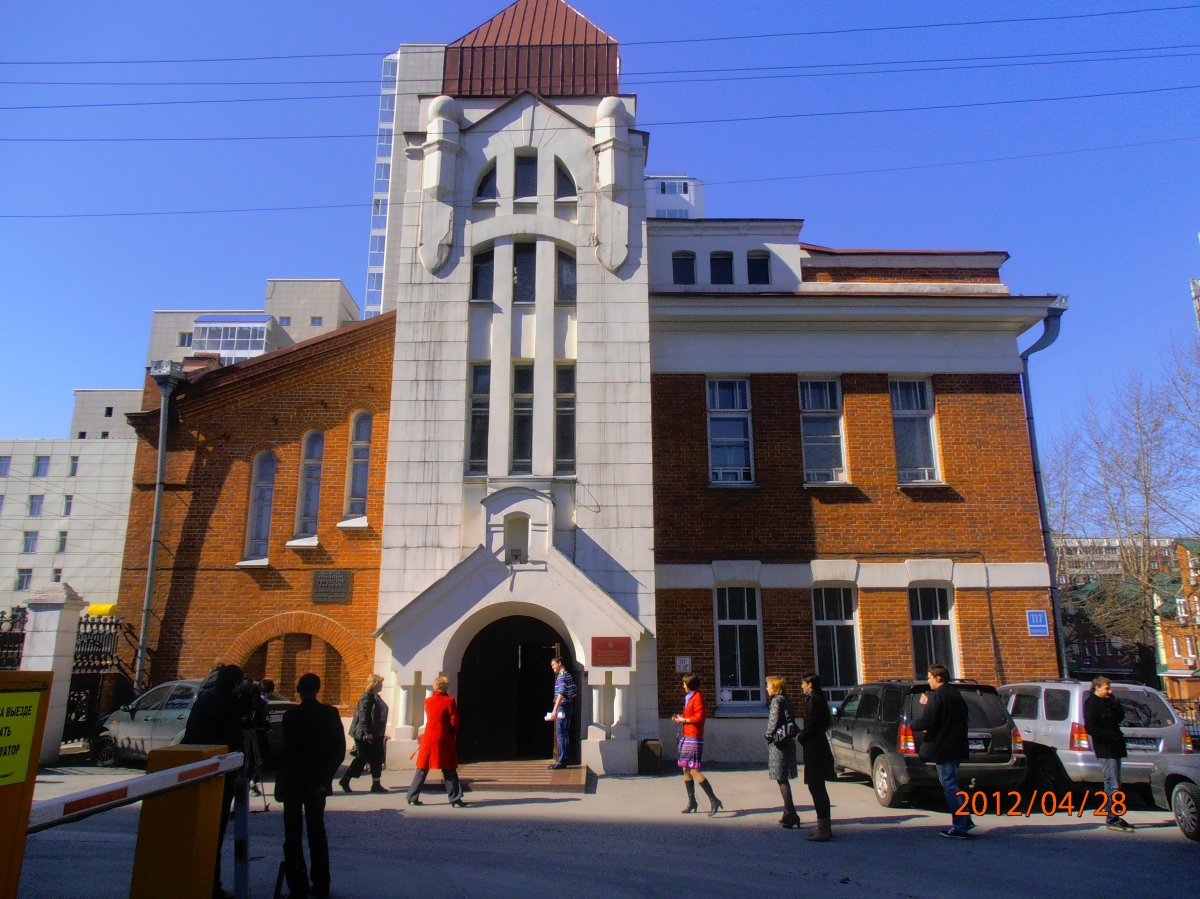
358 454
61 547
29 542
757 691
1190 643
950 622
34 509
851 622
311 470
715 478
255 484
1175 648
41 466
68 505
24 580
923 475
838 475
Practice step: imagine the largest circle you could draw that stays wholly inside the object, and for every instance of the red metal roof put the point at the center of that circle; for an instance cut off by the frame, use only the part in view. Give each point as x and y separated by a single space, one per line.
544 46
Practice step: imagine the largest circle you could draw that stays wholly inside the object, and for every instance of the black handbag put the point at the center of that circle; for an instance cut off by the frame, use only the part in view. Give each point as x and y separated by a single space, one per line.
786 731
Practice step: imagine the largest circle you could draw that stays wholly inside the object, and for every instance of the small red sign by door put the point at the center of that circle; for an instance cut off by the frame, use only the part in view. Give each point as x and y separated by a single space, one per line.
612 652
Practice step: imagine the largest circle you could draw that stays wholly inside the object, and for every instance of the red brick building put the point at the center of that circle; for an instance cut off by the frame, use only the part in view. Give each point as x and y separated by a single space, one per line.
1180 631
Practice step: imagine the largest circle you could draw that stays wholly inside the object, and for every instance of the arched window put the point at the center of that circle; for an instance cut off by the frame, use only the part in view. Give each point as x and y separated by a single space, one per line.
488 189
360 460
310 485
262 496
564 184
516 538
683 268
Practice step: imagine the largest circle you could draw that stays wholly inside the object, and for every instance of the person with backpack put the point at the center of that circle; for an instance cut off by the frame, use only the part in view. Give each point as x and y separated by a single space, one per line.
368 730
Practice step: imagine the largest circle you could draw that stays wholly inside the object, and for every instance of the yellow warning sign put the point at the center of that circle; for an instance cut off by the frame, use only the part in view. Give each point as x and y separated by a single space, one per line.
18 719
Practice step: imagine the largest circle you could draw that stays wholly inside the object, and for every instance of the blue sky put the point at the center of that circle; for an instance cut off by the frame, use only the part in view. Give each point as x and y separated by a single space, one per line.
1114 229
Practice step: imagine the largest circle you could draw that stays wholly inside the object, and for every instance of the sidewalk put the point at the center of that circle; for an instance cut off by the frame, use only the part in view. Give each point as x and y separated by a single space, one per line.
628 839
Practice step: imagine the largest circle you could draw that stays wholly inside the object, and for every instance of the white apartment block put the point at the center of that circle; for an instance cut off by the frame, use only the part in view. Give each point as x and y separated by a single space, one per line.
674 197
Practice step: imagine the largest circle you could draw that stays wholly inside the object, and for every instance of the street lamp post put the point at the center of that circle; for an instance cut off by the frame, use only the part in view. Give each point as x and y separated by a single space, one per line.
168 376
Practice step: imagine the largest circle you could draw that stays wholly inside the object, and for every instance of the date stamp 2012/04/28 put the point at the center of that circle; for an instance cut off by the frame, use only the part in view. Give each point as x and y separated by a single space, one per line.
1036 802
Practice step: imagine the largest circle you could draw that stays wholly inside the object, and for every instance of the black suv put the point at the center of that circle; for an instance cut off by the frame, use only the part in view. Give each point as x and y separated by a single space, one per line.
872 734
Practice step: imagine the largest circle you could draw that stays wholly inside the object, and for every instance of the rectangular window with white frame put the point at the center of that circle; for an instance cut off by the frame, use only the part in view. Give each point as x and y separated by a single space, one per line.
24 579
730 451
835 639
821 427
739 645
929 613
29 542
1175 647
913 427
1191 647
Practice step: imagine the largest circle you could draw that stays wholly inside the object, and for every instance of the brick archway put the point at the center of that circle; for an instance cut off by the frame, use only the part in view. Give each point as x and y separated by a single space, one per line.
358 664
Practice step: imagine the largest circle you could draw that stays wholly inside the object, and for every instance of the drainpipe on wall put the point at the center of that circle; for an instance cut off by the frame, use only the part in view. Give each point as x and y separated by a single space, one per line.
1050 328
167 375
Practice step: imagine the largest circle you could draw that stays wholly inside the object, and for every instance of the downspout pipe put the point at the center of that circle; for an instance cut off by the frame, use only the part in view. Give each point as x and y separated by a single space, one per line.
1050 328
168 376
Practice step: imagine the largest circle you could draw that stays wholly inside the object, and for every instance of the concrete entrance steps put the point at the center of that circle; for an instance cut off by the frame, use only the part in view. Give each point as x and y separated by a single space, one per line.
524 776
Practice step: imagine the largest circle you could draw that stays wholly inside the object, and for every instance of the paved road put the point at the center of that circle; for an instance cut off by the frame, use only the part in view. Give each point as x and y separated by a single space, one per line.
627 838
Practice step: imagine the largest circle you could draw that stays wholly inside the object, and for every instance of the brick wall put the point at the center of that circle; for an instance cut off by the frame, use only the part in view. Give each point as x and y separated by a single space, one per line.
204 608
829 273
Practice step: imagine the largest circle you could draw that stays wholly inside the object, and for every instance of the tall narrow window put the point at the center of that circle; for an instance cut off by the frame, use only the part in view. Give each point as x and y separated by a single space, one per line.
481 389
379 211
564 184
729 451
524 272
739 671
62 542
73 467
262 497
522 429
310 484
565 278
821 425
56 575
525 176
758 267
837 649
720 268
488 189
564 419
4 463
929 610
912 423
360 463
482 267
375 252
24 578
68 504
683 268
29 542
41 466
34 508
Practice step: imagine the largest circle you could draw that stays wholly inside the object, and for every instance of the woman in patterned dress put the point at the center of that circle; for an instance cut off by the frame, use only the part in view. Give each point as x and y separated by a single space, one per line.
691 745
781 757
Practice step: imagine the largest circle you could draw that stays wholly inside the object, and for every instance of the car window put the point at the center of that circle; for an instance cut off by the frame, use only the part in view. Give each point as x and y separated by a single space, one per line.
850 706
984 709
869 708
1056 705
181 698
1025 705
892 700
153 699
1144 709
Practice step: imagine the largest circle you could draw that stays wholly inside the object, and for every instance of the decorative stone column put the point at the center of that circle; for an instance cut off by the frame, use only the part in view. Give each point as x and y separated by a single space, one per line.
596 729
50 646
622 728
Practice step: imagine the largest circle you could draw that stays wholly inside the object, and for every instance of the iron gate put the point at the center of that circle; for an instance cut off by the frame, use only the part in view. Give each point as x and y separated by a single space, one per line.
95 657
12 637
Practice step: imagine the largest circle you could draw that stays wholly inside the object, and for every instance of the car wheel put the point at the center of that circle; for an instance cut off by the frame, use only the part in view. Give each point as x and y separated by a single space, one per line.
883 782
1185 805
1047 775
104 751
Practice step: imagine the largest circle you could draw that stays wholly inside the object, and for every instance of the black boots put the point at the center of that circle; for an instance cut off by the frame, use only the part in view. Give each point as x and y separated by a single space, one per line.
345 785
790 819
714 803
691 791
823 833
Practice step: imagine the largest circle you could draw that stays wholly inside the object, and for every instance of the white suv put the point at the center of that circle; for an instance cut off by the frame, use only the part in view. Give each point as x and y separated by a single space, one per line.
1049 714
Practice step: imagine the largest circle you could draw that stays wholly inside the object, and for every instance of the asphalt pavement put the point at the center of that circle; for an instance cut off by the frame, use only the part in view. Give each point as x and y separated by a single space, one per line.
626 837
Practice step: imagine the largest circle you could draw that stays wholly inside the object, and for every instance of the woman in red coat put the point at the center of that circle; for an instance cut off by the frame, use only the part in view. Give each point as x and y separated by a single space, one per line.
691 745
439 746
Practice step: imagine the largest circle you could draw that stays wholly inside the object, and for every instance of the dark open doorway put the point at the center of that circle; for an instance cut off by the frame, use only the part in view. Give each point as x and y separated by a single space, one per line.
505 689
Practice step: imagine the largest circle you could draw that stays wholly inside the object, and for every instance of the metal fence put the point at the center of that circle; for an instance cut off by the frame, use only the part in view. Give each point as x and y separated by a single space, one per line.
12 637
96 644
1189 711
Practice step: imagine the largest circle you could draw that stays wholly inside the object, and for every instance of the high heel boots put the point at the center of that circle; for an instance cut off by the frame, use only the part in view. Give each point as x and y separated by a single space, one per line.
691 791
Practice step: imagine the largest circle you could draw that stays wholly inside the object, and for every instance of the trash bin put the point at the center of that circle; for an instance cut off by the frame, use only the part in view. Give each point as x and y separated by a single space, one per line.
650 757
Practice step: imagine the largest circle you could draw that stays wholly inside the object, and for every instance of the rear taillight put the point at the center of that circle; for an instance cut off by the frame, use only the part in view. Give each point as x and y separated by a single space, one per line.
1018 742
1188 745
906 743
1079 738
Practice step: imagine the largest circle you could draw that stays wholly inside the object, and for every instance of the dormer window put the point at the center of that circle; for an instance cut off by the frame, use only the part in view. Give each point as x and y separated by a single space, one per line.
488 189
525 176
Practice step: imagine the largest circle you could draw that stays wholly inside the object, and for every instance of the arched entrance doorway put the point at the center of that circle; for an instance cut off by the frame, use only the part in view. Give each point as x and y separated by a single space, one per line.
505 689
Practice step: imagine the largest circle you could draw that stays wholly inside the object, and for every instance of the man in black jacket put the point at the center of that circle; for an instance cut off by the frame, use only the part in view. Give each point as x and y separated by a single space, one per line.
216 718
314 745
1102 717
944 721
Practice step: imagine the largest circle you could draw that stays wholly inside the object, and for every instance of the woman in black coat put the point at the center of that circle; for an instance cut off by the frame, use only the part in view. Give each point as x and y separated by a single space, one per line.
818 758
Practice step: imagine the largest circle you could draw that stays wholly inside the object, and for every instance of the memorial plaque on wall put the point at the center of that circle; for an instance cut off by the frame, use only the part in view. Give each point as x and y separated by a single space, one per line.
612 652
331 585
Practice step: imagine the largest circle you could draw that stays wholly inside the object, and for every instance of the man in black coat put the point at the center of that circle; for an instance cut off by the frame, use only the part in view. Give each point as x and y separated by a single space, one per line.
314 745
1102 717
943 718
216 718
